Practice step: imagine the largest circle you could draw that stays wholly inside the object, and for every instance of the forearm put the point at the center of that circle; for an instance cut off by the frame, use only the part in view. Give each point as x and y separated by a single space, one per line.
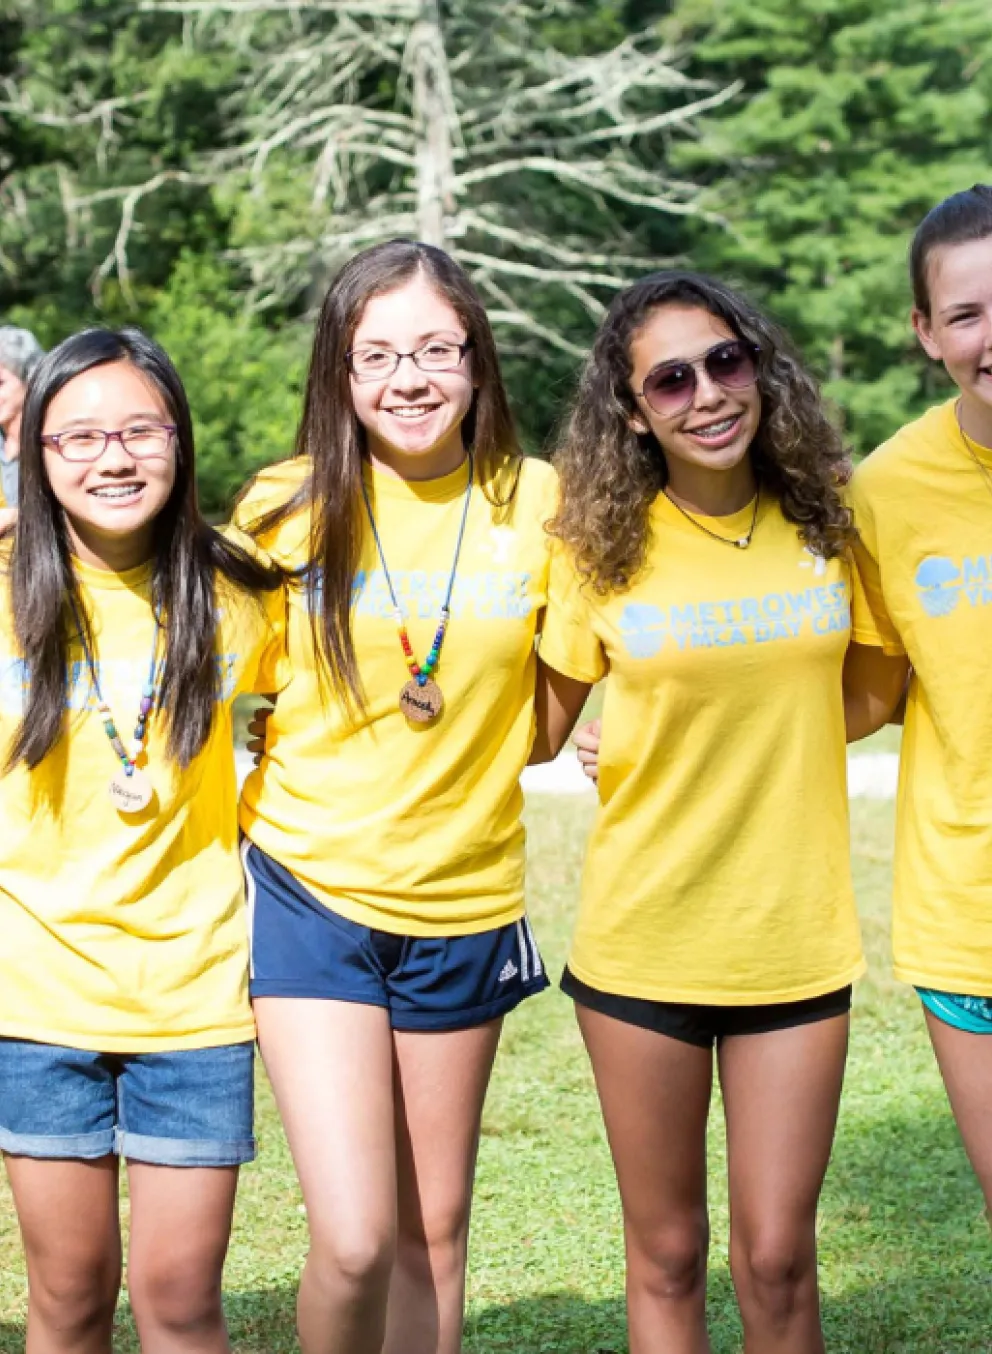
875 685
558 703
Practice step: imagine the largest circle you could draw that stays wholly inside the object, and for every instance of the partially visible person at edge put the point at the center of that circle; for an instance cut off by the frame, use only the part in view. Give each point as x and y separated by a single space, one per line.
20 353
706 574
384 844
125 1025
923 505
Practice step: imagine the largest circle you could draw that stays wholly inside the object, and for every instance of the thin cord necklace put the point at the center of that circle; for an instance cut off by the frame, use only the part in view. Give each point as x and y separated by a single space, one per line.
130 789
970 448
420 698
739 542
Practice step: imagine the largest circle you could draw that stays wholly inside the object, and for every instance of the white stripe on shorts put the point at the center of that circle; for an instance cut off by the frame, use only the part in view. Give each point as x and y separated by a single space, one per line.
524 953
538 962
249 905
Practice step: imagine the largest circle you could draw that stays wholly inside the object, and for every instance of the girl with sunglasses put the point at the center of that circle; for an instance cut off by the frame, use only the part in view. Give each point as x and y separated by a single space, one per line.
924 510
384 845
704 572
125 1026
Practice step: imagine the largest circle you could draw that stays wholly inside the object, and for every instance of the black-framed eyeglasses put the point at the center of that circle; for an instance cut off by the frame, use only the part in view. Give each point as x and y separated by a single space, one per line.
141 440
670 387
373 364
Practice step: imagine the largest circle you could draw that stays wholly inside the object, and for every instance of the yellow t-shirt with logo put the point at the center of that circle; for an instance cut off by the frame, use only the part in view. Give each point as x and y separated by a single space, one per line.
718 869
128 934
924 511
412 829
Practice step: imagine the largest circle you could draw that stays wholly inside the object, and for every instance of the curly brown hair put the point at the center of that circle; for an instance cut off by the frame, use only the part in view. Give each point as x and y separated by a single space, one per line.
611 475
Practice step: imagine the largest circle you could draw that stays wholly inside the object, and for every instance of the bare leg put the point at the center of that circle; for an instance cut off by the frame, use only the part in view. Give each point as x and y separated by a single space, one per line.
965 1062
655 1095
68 1216
331 1068
441 1086
781 1094
180 1228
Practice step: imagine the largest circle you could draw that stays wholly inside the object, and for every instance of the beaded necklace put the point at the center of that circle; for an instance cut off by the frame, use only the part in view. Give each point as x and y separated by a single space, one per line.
420 698
130 789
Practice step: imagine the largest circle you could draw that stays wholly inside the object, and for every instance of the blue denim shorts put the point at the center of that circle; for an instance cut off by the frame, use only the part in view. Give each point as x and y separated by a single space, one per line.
300 948
191 1107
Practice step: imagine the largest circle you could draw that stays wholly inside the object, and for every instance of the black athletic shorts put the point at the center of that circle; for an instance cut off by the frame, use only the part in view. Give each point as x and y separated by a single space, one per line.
705 1026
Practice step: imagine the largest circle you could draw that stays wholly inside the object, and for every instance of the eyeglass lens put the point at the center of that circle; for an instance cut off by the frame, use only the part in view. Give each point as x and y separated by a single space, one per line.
670 388
384 361
89 444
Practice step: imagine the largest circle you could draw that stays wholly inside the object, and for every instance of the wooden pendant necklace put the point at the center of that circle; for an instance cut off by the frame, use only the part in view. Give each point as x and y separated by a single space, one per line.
740 542
420 698
130 789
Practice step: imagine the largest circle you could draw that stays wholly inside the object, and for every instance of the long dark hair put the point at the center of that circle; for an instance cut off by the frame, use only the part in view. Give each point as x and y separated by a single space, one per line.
331 436
189 558
959 219
611 475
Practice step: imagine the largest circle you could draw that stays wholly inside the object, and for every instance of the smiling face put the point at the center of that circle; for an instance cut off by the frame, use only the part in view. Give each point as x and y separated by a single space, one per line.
413 418
958 330
111 503
712 435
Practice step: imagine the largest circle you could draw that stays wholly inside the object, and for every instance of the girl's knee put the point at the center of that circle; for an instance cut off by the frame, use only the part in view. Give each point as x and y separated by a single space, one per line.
670 1262
76 1301
359 1262
177 1298
775 1271
438 1250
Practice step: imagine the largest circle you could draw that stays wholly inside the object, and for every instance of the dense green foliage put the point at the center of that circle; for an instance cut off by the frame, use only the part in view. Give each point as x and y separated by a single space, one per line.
854 117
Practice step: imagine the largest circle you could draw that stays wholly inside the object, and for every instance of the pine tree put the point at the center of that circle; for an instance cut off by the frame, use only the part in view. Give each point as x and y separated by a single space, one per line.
856 117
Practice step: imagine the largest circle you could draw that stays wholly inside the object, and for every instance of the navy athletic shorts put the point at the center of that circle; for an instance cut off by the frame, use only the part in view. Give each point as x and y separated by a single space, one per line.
300 948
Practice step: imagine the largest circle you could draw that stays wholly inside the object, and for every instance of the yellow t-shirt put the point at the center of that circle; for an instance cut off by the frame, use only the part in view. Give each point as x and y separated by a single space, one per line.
924 511
128 935
718 866
411 829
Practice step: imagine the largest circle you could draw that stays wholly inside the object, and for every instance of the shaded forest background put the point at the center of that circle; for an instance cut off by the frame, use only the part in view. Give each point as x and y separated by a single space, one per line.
201 167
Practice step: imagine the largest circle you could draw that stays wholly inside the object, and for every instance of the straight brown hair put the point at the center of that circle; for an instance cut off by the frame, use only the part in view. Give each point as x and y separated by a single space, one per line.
331 436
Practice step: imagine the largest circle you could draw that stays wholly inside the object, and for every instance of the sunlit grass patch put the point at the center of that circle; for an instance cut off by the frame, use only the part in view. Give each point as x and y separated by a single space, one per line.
905 1249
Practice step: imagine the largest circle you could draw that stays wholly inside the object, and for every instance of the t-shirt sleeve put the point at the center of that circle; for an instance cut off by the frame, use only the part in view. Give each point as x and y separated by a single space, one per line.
569 643
256 625
273 670
871 623
233 531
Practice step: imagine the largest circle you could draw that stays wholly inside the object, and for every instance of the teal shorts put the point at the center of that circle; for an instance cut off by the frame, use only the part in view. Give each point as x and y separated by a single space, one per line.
972 1014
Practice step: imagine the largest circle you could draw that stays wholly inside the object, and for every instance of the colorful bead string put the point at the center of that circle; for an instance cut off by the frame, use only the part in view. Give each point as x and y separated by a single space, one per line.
128 759
422 672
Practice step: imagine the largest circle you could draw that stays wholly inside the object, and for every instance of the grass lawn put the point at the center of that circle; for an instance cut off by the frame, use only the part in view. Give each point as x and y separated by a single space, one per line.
905 1249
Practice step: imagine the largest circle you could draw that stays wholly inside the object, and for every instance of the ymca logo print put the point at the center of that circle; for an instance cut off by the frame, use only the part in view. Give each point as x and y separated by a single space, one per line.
643 630
938 583
941 584
722 624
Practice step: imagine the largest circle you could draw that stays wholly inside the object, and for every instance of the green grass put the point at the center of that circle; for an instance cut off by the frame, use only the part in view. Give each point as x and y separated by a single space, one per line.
904 1245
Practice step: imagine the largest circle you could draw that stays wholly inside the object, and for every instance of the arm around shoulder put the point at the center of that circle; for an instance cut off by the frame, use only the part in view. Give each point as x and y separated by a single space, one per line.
874 689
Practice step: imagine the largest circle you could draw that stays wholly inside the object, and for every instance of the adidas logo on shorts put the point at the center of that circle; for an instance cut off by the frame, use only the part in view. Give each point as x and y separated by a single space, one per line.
508 971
